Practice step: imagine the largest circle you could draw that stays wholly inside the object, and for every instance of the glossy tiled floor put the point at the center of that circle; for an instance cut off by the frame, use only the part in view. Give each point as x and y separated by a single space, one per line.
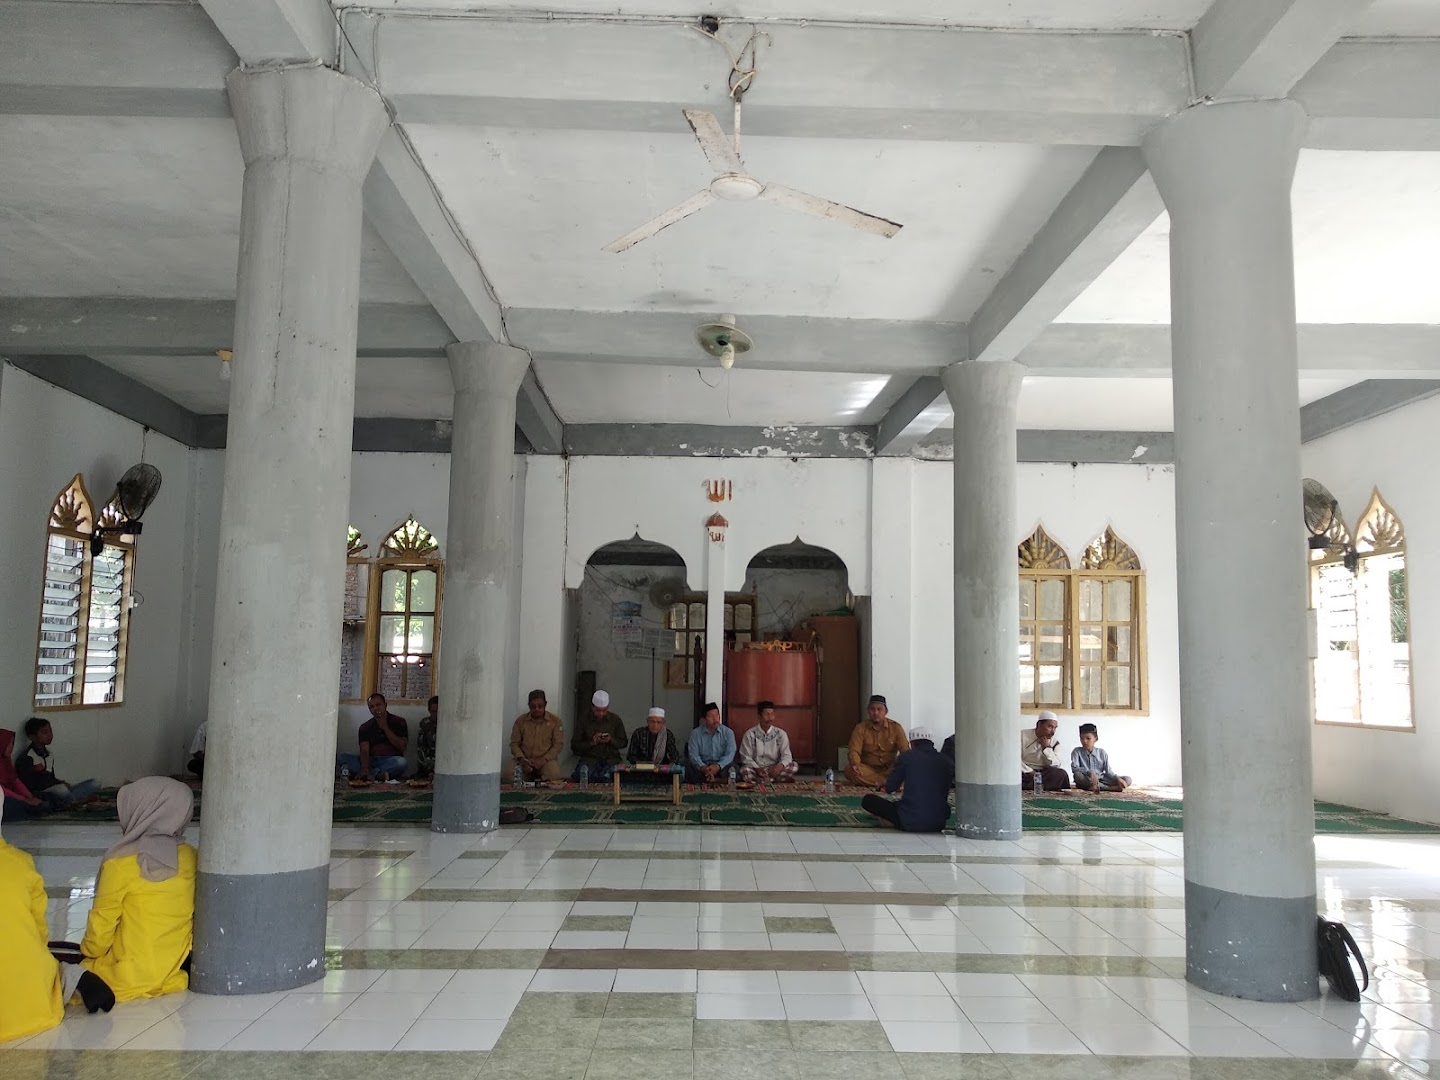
592 954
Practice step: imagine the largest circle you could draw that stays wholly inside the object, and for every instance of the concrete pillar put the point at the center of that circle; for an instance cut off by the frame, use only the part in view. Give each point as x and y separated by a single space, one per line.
984 396
479 572
1225 172
714 620
307 136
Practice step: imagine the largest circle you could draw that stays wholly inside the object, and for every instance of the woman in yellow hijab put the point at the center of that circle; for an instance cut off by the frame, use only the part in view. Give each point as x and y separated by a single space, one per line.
32 999
137 941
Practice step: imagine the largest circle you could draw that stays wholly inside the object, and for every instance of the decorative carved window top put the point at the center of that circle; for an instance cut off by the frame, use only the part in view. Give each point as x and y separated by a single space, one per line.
1338 537
410 540
112 517
1108 552
73 511
354 548
1379 529
1040 552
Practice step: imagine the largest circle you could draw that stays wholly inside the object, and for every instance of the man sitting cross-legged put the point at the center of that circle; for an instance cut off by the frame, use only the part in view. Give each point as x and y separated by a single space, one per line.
1040 753
711 753
536 740
765 750
382 740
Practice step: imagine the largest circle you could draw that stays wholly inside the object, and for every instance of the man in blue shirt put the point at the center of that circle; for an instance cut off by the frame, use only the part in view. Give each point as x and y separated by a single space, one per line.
711 751
923 776
1091 765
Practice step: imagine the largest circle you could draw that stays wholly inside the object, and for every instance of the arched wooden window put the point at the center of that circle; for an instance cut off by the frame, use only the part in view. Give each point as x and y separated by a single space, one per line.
84 609
409 575
1082 629
1359 590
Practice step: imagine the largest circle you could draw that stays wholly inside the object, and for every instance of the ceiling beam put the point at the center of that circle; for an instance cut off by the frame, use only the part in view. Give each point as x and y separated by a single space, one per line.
918 412
137 327
1262 48
277 31
1363 401
58 57
707 440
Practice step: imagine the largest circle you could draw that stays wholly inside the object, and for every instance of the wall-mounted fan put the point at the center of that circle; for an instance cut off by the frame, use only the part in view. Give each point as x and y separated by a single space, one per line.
666 591
1322 520
133 495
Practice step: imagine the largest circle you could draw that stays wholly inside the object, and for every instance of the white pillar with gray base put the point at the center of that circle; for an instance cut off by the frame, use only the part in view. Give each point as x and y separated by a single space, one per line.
984 396
479 542
1225 173
307 136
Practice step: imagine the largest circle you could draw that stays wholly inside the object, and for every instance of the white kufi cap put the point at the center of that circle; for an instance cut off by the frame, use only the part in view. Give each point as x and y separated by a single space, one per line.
656 710
600 699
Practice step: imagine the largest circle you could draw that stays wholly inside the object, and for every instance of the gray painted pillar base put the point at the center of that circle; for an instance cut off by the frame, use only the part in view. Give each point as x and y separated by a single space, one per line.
466 804
1225 173
987 811
308 137
984 396
479 552
1235 944
285 911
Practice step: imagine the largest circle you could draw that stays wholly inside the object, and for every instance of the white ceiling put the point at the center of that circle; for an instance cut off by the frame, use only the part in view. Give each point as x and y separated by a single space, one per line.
1367 247
540 206
119 206
1410 18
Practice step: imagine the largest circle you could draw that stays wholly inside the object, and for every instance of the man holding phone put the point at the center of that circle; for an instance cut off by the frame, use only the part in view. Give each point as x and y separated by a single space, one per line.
599 739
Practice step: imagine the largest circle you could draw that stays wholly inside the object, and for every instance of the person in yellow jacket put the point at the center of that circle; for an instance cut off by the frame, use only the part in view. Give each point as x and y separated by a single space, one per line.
33 999
138 938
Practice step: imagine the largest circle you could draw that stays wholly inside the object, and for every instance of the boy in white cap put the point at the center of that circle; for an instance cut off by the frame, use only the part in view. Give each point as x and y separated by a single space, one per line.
598 738
653 744
922 776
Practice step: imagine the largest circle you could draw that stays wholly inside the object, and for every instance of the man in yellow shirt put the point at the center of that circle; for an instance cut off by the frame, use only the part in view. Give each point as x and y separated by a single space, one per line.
33 999
874 745
536 740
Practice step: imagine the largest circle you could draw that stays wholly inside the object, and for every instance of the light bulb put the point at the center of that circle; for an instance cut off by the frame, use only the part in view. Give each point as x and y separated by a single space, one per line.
727 357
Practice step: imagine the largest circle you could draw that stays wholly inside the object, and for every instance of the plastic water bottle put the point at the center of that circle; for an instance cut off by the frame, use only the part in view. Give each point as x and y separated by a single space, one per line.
732 777
1035 781
584 777
830 781
519 777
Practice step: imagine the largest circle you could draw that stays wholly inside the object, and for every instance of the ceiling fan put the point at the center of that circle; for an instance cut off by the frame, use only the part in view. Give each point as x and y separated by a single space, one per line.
734 184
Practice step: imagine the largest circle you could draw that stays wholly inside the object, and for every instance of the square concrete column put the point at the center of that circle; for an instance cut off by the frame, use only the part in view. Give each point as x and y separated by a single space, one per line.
479 548
984 396
307 136
1225 173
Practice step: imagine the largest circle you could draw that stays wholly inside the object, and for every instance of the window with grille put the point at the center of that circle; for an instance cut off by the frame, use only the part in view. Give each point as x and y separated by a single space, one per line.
1081 630
84 607
1361 670
406 614
686 618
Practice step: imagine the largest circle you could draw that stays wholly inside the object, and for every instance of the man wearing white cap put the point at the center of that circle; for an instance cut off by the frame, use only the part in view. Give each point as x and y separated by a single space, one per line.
598 739
922 776
653 744
1040 752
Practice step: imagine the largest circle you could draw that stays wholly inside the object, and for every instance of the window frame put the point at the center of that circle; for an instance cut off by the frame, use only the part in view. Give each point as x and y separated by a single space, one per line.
1342 543
1107 558
732 601
85 518
410 546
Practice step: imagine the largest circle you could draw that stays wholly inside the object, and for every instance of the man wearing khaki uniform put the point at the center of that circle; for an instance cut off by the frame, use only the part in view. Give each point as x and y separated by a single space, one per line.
536 741
874 745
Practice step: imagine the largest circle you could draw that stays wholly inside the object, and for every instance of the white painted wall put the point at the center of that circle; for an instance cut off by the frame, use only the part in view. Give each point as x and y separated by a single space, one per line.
46 436
1390 771
1074 503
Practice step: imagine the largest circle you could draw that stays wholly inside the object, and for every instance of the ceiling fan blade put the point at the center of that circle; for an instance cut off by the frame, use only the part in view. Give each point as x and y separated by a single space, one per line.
698 201
718 148
813 204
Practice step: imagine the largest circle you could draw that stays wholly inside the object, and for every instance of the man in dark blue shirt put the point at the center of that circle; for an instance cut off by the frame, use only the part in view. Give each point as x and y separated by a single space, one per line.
923 777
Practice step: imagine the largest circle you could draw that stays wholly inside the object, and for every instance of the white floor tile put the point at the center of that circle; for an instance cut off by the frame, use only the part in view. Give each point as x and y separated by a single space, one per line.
427 1034
577 980
828 1007
910 1037
739 1007
177 1033
1128 1040
424 981
372 1005
1005 1010
1030 1039
655 981
819 982
370 1034
738 982
452 1005
906 983
932 1009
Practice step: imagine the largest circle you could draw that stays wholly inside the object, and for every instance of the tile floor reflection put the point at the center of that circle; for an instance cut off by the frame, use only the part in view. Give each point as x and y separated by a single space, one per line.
597 954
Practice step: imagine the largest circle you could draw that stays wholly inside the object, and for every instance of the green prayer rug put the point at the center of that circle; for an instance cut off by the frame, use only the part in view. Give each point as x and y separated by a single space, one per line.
804 805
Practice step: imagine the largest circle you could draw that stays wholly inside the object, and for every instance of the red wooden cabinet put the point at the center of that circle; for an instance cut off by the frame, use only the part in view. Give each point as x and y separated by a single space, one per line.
790 680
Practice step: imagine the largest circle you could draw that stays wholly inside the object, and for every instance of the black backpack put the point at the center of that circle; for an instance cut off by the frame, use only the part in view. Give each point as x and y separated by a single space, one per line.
517 815
1336 946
